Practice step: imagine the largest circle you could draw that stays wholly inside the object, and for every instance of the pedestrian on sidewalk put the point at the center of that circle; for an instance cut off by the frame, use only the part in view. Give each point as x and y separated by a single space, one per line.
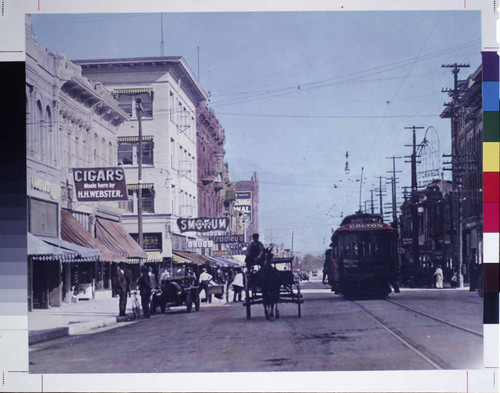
438 274
145 290
152 282
123 288
204 284
238 285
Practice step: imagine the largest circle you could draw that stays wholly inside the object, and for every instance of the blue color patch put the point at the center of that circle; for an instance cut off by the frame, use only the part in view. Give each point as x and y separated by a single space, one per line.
491 96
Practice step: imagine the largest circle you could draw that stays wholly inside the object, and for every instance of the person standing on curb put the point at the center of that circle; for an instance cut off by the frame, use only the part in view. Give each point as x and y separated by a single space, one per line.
145 290
238 285
204 284
122 288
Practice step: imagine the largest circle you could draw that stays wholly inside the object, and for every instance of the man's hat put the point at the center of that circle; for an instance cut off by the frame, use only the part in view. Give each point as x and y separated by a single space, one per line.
255 236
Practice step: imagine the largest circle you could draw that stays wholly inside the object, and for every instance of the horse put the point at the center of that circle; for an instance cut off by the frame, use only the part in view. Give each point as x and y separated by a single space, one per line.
270 284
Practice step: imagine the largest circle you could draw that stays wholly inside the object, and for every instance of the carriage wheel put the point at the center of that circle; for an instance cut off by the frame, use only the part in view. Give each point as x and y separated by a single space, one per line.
247 303
299 299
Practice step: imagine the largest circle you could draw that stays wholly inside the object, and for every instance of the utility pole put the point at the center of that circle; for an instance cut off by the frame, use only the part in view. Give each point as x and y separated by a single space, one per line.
414 198
360 188
372 207
456 110
138 110
380 196
394 195
162 44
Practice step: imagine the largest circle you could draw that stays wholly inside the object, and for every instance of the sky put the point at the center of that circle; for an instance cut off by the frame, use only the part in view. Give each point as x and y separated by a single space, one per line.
295 91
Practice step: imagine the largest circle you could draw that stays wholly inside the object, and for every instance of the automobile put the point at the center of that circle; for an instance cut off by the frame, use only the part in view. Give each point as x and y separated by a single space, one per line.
179 288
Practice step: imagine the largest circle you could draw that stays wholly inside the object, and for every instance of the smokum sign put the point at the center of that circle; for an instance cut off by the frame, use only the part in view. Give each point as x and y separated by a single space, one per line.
100 184
203 224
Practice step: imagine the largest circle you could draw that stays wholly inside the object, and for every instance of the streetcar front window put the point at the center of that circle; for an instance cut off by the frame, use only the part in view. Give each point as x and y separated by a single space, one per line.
368 244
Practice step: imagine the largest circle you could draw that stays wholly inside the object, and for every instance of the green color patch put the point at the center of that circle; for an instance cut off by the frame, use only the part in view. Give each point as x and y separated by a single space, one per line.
491 126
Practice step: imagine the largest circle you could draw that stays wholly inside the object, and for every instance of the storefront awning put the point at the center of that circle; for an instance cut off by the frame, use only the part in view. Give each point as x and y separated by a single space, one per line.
84 254
179 259
116 239
153 257
72 231
41 250
192 257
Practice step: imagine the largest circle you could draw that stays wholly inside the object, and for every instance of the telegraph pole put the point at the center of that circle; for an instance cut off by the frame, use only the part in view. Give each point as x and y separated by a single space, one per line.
372 207
380 198
138 109
394 195
414 197
456 109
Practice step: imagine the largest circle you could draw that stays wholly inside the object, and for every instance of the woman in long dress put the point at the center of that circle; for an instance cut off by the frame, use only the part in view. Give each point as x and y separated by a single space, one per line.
439 276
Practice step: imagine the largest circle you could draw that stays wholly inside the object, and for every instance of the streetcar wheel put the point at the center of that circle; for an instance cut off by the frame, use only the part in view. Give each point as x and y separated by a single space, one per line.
189 302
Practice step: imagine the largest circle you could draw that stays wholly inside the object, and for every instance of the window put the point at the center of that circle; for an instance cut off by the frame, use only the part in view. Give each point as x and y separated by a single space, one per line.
125 153
127 100
147 195
128 150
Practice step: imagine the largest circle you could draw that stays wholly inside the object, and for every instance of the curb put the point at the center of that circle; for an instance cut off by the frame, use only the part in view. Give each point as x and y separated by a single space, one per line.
39 336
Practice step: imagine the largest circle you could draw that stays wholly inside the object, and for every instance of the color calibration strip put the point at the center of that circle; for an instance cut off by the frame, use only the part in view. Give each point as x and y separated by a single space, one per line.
491 185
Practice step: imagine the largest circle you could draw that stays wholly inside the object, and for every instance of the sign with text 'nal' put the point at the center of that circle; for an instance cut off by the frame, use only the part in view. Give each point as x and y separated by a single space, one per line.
100 184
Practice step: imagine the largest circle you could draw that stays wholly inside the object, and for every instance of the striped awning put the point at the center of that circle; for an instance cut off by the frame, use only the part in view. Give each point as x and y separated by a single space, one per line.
178 259
143 90
144 186
84 254
40 250
153 257
145 138
192 257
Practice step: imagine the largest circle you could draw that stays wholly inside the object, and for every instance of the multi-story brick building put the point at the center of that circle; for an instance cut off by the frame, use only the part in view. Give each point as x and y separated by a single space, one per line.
210 150
466 115
170 95
71 123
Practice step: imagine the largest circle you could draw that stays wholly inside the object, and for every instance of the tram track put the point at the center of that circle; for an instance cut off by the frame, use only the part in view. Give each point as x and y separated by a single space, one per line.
436 319
420 350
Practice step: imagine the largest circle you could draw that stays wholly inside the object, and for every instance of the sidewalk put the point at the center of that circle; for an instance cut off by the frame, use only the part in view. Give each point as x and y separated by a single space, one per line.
74 318
77 318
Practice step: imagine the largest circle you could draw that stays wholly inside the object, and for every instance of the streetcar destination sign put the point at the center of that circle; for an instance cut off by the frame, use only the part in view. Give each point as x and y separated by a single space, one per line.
202 224
100 184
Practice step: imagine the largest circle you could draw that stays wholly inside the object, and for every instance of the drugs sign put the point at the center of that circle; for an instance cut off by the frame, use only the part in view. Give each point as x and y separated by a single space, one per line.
100 184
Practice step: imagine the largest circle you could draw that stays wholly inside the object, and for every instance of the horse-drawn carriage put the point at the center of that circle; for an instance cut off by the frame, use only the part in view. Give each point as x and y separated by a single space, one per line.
270 283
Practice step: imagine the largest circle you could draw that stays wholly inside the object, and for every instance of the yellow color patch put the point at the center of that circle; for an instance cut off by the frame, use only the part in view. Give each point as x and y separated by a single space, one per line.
491 157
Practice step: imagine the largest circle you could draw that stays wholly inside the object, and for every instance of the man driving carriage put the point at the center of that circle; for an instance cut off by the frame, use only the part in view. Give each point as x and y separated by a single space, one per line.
255 253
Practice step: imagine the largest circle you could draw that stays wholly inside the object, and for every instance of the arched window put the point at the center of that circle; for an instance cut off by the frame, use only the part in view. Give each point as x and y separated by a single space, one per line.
50 139
39 138
103 152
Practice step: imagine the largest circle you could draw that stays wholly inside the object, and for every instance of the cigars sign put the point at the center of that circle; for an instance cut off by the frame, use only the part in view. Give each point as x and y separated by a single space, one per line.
100 184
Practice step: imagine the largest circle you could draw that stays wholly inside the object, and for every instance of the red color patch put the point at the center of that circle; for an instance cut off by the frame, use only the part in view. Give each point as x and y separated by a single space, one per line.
491 217
491 187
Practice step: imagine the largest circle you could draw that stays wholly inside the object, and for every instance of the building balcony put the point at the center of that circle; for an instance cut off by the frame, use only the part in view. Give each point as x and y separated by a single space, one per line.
208 176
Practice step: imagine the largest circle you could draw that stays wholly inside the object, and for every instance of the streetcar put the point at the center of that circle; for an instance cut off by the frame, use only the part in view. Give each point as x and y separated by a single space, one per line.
363 257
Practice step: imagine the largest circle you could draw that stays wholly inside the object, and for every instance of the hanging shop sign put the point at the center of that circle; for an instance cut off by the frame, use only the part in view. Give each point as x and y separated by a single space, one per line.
229 239
203 224
243 204
219 253
150 241
100 184
200 244
45 186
